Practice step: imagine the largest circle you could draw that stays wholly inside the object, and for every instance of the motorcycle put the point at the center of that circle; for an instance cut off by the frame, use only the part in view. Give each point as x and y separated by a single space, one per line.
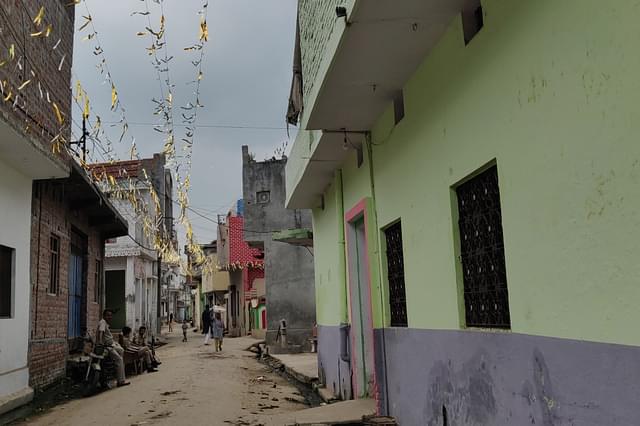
100 370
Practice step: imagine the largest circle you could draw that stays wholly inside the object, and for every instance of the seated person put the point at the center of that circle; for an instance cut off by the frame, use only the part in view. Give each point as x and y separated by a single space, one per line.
138 350
140 339
113 349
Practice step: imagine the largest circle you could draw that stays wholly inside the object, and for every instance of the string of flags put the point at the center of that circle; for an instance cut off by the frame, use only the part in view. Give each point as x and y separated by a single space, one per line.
124 187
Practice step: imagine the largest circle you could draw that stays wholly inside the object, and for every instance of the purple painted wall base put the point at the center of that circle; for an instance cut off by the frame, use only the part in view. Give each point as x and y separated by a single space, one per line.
478 378
334 373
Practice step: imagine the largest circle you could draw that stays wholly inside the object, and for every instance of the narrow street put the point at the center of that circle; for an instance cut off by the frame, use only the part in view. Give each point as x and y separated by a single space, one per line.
194 385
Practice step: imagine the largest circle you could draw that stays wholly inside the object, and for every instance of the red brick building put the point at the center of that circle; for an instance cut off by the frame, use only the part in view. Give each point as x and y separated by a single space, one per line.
70 221
244 265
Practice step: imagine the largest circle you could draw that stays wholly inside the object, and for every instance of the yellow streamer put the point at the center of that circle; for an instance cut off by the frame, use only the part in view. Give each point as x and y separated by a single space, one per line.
38 19
58 113
114 97
204 31
23 85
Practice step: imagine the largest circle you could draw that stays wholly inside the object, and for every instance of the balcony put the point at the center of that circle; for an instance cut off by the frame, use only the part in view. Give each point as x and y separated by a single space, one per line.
366 58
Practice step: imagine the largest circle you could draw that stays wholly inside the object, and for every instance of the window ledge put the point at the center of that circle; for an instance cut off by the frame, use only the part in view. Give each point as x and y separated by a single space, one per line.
487 329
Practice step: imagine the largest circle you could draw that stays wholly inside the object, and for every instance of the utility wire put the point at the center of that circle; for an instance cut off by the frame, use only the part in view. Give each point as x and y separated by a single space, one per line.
215 126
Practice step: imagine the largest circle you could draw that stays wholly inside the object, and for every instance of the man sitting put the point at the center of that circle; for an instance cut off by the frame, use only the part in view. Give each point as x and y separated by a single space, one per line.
114 350
140 339
141 351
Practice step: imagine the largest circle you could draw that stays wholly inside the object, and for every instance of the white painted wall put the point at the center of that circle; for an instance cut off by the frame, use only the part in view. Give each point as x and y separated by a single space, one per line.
15 232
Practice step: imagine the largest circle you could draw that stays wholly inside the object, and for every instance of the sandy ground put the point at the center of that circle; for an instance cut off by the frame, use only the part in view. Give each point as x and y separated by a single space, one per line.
194 386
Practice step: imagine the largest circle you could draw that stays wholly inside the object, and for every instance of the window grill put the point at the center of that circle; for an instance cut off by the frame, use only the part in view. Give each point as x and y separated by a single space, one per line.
395 270
482 252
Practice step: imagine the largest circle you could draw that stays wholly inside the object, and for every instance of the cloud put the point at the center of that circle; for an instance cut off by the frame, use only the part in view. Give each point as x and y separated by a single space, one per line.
247 72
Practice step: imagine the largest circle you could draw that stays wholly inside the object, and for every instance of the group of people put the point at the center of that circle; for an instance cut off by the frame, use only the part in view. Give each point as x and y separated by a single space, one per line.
137 345
212 326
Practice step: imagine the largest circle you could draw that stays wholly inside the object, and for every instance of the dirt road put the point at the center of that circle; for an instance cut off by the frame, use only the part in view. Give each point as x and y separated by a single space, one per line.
194 386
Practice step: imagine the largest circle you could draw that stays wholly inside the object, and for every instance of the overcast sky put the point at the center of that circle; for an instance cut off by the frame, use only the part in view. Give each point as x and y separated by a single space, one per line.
247 74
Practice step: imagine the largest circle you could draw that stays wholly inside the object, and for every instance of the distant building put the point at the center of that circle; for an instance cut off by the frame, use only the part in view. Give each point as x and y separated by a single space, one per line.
132 265
209 285
245 268
70 221
288 264
28 125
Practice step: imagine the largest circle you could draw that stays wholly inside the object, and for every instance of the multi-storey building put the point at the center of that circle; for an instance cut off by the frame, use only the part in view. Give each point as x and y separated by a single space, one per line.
70 221
289 293
132 266
30 134
472 167
245 268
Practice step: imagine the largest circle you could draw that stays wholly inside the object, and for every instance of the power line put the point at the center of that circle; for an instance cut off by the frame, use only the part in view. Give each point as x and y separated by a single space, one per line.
216 126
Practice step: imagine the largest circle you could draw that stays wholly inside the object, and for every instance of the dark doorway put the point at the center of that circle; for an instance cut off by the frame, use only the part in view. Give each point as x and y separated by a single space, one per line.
114 297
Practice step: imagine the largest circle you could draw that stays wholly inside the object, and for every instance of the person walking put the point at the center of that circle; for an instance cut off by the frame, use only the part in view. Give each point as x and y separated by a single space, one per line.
171 322
185 326
217 331
206 324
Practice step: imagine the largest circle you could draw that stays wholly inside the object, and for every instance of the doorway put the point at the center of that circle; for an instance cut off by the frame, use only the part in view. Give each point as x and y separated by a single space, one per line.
77 286
362 356
114 295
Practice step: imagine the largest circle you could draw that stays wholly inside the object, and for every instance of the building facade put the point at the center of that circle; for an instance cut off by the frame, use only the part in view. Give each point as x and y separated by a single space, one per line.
132 266
27 128
470 167
288 269
243 265
70 221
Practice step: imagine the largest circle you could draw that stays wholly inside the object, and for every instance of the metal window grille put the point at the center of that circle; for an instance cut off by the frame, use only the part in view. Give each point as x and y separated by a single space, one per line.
395 270
54 265
486 298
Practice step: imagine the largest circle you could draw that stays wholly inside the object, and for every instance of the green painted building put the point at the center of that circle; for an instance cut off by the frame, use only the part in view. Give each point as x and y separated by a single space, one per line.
473 169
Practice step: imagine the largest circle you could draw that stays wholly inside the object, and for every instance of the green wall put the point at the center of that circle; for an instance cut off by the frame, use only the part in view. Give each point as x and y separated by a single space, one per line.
549 90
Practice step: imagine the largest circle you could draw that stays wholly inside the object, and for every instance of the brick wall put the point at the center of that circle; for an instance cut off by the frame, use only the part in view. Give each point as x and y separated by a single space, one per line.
36 60
317 19
49 312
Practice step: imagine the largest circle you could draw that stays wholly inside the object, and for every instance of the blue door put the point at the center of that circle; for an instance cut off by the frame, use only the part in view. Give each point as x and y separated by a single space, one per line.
76 275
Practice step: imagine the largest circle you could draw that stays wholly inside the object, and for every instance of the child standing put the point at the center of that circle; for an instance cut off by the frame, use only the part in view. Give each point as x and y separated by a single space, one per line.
217 331
185 326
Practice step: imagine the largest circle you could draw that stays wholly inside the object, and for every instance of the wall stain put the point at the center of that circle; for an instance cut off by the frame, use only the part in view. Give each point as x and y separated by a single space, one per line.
544 390
467 394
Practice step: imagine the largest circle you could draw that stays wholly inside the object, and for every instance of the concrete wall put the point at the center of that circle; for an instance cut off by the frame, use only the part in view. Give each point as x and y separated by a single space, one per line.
548 90
566 166
289 272
334 373
15 229
484 378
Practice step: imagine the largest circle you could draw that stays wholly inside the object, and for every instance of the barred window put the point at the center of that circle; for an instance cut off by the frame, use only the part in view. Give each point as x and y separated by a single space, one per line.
54 264
395 274
486 298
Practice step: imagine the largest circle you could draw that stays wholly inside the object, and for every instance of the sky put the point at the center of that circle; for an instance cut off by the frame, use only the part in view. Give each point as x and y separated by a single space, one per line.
246 79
